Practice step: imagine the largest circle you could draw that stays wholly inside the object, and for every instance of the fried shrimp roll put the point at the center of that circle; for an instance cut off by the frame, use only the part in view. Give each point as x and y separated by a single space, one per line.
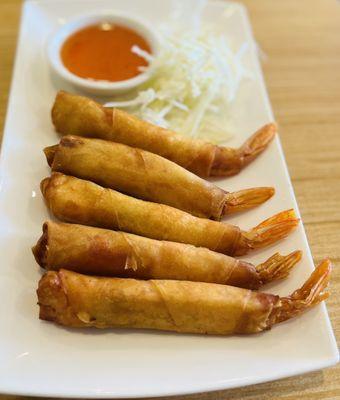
76 300
104 252
148 176
78 115
79 201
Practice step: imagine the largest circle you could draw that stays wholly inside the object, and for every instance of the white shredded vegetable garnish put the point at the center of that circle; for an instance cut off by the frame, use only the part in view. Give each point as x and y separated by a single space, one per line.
197 77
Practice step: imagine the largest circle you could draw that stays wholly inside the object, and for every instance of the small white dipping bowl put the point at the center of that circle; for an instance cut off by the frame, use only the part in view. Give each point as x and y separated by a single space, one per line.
101 87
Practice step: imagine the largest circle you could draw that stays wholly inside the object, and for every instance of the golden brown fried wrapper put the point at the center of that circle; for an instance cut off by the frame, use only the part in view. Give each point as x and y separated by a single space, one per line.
78 115
76 300
148 176
104 252
75 200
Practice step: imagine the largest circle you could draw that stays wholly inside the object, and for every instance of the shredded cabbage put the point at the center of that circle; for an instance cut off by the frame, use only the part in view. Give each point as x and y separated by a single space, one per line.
197 77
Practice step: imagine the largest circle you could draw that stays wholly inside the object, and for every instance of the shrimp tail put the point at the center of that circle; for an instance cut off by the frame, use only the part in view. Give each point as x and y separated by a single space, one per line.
309 295
246 199
229 161
256 143
278 267
267 232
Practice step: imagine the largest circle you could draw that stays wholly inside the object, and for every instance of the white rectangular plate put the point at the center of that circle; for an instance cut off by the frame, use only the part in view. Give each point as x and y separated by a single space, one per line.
39 358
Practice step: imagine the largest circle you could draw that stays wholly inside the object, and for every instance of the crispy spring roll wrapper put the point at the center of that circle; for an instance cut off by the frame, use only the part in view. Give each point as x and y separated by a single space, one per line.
76 300
103 252
79 201
148 176
78 115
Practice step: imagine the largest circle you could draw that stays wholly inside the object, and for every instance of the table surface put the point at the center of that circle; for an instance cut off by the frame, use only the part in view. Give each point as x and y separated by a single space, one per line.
301 40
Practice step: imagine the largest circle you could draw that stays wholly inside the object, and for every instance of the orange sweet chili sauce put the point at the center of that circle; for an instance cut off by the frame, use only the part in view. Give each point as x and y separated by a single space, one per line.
103 52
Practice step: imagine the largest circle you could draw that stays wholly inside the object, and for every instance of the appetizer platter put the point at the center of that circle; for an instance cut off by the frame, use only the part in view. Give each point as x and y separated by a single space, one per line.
171 257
